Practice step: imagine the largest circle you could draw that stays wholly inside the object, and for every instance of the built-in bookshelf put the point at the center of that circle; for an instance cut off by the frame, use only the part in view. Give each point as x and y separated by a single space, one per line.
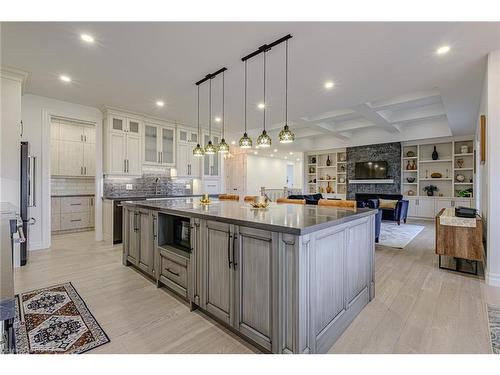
326 173
452 172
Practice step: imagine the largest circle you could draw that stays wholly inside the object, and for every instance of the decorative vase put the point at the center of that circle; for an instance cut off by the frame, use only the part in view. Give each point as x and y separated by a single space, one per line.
435 154
460 163
413 165
408 166
328 161
313 160
342 157
464 149
329 189
430 193
410 192
342 168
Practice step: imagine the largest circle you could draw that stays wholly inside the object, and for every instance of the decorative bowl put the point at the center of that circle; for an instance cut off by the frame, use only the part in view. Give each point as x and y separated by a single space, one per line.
436 175
259 205
410 154
460 177
410 179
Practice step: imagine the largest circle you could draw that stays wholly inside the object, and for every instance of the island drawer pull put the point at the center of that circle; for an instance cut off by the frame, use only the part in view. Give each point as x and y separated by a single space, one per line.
172 272
75 204
73 220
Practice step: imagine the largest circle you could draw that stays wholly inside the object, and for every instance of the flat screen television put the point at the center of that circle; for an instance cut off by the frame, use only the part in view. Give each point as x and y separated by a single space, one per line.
370 170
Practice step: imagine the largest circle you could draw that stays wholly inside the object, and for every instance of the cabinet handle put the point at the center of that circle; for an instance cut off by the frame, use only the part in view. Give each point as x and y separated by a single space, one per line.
75 220
229 262
85 170
158 156
22 128
81 170
75 204
85 138
172 272
124 165
91 202
235 264
127 165
154 228
81 138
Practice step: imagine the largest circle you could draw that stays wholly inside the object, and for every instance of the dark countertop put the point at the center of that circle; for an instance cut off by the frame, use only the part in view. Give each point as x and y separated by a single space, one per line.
144 197
287 218
71 195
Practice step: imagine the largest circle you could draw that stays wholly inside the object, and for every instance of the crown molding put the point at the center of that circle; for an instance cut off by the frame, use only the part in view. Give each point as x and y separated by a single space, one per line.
14 74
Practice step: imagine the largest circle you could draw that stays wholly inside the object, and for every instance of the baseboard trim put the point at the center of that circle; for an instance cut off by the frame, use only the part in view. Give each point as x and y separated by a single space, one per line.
493 279
34 246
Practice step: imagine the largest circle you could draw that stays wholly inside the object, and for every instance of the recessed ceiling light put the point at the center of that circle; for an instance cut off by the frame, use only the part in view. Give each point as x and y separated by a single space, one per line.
87 38
442 50
291 153
329 85
286 157
261 105
160 103
272 155
298 159
275 150
217 119
65 78
233 142
255 152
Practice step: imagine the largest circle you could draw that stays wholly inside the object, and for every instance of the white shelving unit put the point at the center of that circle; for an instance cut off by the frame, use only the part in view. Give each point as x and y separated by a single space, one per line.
326 168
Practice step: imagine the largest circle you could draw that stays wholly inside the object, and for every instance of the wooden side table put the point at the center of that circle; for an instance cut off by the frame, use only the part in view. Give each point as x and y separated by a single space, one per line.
459 240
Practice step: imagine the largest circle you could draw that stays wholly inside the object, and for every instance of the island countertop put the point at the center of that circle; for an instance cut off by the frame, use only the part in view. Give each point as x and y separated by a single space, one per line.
286 218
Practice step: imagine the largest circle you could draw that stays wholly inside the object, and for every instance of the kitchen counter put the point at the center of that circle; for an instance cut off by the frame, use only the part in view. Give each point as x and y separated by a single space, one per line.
143 197
285 218
72 195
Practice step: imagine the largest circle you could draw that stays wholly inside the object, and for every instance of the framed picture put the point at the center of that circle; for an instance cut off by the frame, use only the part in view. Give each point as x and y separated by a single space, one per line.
483 139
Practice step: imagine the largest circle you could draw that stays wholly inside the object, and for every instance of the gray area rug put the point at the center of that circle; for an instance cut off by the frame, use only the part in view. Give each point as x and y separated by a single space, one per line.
398 236
494 323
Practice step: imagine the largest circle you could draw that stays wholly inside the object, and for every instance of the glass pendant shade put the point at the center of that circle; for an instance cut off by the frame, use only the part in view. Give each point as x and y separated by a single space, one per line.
245 141
210 149
198 151
286 135
223 147
264 141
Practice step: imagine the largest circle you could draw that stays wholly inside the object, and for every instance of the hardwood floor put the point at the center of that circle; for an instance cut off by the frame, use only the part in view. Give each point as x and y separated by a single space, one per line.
418 308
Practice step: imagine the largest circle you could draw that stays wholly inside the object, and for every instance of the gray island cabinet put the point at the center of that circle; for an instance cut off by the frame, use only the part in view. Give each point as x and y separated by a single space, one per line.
290 278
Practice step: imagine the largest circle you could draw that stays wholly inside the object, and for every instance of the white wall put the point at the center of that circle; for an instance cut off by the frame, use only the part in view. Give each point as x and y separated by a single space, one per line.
36 111
10 136
270 172
492 168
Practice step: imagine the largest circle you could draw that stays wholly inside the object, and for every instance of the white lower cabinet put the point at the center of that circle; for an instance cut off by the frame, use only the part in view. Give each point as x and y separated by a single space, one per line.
428 208
211 186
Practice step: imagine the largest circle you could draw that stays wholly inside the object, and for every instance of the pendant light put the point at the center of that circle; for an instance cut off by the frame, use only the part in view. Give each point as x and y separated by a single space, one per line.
210 149
264 141
245 141
198 151
286 135
223 147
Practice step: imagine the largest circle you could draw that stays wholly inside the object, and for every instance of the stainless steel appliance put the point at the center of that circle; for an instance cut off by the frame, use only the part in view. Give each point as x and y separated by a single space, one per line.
27 196
182 233
10 225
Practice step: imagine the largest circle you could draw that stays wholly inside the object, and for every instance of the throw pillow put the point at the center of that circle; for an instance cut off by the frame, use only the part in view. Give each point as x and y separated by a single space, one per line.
388 203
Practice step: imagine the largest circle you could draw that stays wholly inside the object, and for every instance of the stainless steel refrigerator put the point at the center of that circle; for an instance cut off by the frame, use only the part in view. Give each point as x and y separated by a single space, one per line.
28 197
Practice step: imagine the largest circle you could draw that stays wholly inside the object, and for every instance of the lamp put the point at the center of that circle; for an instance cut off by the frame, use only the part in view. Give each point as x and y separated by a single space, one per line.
198 151
245 141
264 141
210 149
286 135
223 147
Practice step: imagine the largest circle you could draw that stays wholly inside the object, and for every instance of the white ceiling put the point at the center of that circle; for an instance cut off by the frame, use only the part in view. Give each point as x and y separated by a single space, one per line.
389 83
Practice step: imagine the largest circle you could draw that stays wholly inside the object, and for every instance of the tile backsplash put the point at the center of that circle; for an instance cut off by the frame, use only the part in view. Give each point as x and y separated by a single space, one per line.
148 184
74 185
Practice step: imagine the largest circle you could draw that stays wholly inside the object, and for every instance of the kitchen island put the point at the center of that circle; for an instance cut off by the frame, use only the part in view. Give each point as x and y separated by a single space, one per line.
289 278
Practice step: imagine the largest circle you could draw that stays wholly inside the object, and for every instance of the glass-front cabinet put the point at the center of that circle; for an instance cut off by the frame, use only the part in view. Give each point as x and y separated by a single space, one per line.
159 145
211 163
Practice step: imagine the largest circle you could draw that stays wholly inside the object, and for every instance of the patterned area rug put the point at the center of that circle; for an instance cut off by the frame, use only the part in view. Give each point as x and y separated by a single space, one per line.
398 236
55 320
494 323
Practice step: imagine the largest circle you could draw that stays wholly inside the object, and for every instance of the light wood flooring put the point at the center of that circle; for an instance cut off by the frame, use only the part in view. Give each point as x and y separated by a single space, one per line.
418 308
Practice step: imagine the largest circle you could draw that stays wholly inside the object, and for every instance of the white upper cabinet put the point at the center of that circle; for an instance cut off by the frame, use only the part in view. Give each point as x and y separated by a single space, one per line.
72 149
211 163
187 164
159 144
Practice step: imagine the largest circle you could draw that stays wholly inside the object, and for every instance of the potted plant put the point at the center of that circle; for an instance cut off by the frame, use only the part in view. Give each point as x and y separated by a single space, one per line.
430 189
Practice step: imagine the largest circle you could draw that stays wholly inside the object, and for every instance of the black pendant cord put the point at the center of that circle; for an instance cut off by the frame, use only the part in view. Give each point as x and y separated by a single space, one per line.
210 110
265 104
199 135
245 97
286 82
223 122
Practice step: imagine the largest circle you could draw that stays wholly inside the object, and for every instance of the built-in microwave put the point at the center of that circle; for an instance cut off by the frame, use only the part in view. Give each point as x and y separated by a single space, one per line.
182 233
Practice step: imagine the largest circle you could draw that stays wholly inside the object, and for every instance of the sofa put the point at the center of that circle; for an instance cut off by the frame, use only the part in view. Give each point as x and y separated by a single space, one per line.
398 214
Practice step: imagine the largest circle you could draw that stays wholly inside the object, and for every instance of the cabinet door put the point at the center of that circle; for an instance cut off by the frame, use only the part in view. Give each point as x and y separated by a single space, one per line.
167 146
218 272
211 186
151 152
116 153
89 159
71 132
426 207
145 259
183 135
132 250
133 126
54 157
117 124
462 202
182 159
193 137
133 155
89 134
439 204
194 163
55 130
412 207
255 287
71 158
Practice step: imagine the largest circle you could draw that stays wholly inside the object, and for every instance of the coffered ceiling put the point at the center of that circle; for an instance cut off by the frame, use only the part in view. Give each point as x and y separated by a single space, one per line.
389 84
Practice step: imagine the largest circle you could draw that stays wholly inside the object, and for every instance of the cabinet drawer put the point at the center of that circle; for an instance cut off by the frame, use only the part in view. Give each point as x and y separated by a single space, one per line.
174 271
55 204
55 222
75 204
75 220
